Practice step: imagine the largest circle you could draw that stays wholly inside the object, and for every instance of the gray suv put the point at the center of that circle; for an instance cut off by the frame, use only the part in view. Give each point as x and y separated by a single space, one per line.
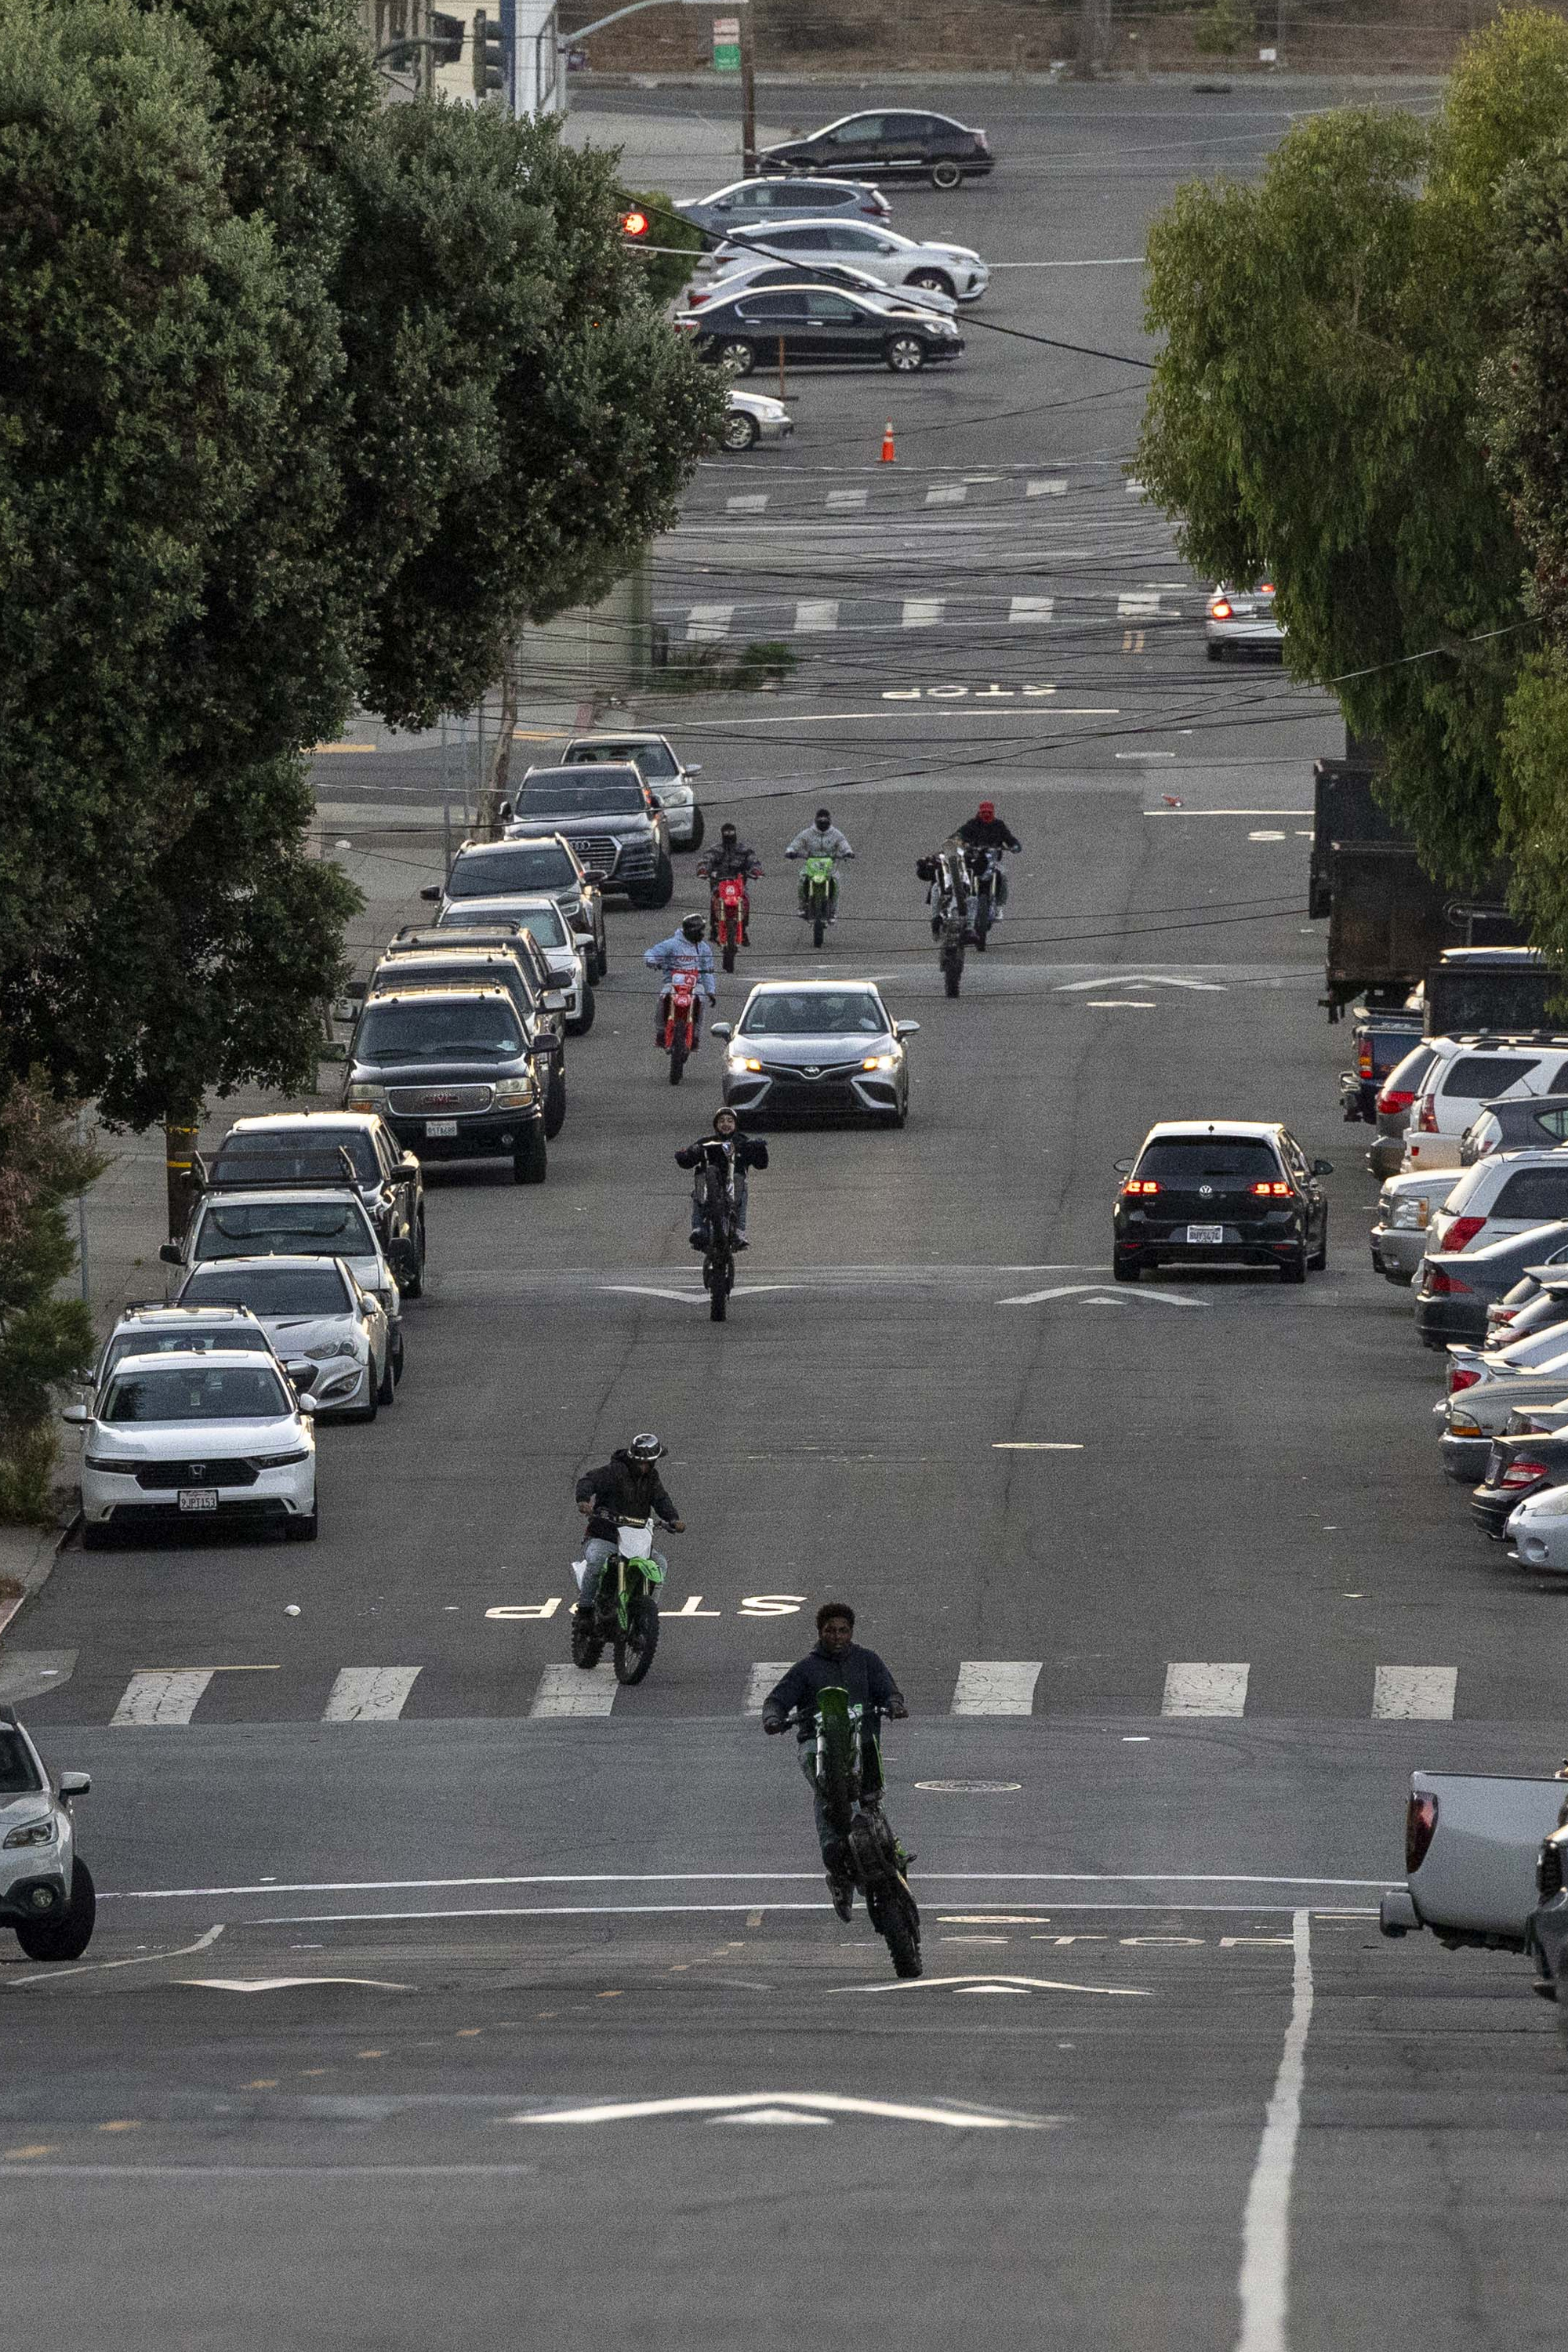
46 1892
533 860
452 1073
612 820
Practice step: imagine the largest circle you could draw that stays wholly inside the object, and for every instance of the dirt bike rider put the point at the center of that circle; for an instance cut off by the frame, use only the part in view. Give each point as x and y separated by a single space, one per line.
838 1660
985 830
686 949
625 1488
820 838
744 1153
951 883
732 857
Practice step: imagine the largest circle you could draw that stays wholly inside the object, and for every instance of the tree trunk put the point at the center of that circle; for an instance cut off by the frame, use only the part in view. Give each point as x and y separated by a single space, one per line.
180 1131
486 816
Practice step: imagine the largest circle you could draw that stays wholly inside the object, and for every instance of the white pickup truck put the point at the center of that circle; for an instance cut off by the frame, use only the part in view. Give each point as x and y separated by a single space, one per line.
1486 1857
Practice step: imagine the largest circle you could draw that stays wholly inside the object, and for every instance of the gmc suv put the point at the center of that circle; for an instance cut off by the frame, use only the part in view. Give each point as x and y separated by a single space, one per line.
451 1071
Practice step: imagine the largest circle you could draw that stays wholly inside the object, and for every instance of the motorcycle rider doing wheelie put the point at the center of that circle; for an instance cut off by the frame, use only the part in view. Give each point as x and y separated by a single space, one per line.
840 1661
986 831
820 838
732 858
743 1153
686 949
626 1487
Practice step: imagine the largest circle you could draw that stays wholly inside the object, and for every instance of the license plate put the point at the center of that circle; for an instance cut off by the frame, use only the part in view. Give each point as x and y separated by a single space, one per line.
1206 1233
198 1498
438 1127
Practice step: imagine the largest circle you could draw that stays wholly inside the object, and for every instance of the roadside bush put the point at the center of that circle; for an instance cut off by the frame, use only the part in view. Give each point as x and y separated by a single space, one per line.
45 1340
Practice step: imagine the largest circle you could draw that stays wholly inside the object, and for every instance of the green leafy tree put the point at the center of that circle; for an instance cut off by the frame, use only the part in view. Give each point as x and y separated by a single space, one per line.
1222 27
665 272
45 1340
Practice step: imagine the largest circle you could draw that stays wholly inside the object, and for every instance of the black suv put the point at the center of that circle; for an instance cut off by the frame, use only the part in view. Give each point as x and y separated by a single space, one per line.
467 966
612 820
821 324
901 145
1221 1191
542 861
452 1073
316 1147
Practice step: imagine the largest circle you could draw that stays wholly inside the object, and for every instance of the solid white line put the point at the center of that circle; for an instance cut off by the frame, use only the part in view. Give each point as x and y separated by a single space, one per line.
765 1673
1413 1693
1197 1689
816 613
996 1685
1051 487
572 1691
708 623
1136 605
370 1693
639 1910
156 1697
1115 261
734 1878
13 2173
1264 2284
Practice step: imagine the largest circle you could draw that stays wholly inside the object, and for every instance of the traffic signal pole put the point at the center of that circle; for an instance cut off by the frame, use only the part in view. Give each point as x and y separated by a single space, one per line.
749 92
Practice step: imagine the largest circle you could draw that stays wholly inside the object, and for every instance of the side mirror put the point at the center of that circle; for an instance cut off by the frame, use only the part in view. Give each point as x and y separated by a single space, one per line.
169 1255
1322 1167
653 801
1123 1167
506 810
79 1415
306 1403
75 1784
409 1165
302 1373
694 767
720 1029
544 1044
332 1049
433 891
906 1028
553 1001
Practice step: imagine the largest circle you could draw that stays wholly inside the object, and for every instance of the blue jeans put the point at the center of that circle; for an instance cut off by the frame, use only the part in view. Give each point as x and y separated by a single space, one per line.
598 1551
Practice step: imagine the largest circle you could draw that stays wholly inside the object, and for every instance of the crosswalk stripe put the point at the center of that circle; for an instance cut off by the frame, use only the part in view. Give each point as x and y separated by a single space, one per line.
1031 608
753 502
839 501
569 1691
370 1693
1138 604
946 494
1054 486
1193 1690
764 1675
1134 489
1413 1693
923 612
816 613
156 1697
707 622
996 1686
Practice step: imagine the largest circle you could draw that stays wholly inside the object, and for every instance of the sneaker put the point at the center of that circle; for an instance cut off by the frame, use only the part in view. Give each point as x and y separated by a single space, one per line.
740 1242
699 1241
843 1893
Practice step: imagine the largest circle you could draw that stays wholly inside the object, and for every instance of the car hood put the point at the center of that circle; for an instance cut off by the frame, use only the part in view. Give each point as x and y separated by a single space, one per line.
173 1441
573 822
953 252
295 1335
29 1805
821 1050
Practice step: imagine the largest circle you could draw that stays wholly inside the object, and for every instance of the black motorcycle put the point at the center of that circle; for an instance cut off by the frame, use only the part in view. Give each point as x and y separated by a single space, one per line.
948 876
722 1212
873 1856
987 890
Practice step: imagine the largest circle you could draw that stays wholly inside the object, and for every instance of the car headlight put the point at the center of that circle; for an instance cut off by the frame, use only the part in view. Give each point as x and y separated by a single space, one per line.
279 1461
324 1355
743 1062
880 1062
1407 1213
108 1461
365 1098
34 1833
512 1094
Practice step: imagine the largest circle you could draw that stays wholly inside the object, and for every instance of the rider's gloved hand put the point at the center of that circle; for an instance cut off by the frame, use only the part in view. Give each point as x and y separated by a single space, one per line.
897 1710
772 1723
675 1526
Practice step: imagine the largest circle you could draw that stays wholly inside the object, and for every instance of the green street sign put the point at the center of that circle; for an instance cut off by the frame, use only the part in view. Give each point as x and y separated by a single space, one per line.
727 44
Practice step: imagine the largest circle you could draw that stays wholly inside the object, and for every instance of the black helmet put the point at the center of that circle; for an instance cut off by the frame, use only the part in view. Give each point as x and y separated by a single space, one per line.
727 831
692 928
645 1447
824 818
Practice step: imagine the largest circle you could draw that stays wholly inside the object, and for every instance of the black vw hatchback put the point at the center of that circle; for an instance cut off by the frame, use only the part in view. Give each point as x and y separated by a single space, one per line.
1221 1193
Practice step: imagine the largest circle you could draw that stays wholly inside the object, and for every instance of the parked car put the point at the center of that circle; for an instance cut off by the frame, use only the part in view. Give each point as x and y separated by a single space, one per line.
899 144
759 272
612 819
1455 1300
1537 1530
1405 1206
1503 1314
307 1222
1220 1191
1467 1072
818 325
892 260
1507 1192
818 1048
46 1893
152 1330
1517 1468
493 933
311 1309
774 199
1392 1108
462 966
544 923
453 1071
334 1147
1535 1122
1382 1037
1472 1845
666 775
174 1440
751 417
1242 621
1474 1416
531 859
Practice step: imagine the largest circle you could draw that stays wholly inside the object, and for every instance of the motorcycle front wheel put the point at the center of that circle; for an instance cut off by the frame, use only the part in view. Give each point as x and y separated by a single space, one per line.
635 1646
678 1051
588 1648
728 955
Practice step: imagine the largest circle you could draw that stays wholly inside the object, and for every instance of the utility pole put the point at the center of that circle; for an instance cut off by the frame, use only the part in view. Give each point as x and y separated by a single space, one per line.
748 90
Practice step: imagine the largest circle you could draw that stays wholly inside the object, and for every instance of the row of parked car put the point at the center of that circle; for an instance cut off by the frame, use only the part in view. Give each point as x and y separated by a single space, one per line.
284 1293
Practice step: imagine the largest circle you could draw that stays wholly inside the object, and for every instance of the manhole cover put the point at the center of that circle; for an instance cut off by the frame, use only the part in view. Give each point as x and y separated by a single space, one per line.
970 1788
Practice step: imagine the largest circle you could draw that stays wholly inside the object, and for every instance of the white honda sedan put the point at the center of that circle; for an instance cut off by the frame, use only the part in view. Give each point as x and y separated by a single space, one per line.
198 1440
882 253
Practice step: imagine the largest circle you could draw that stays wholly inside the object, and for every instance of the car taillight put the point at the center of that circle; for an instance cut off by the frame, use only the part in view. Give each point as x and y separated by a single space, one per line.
696 298
1394 1098
1442 1284
1140 1186
982 141
1462 1231
1265 588
1219 610
1364 1060
1426 1116
1523 1473
1271 1191
1458 1378
1420 1829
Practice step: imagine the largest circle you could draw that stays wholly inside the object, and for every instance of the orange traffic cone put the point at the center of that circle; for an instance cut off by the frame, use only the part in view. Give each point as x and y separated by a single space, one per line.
887 459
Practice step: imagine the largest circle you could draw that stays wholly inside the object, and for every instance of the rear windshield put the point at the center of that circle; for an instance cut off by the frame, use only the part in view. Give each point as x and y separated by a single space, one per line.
461 1030
242 1338
1225 1163
1406 1076
311 1153
607 796
223 1392
19 1773
542 922
1535 1193
272 1290
653 758
1475 1077
289 1228
491 873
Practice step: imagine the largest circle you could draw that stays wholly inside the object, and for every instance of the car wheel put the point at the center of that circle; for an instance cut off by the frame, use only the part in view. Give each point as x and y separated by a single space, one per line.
738 357
1294 1269
934 281
305 1526
368 1410
905 354
555 1100
1125 1266
945 175
586 1009
388 1387
411 1279
67 1936
740 431
699 829
397 1355
603 953
96 1539
1319 1261
530 1161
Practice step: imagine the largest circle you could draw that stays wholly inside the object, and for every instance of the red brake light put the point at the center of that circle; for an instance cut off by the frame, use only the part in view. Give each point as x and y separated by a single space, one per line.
1364 1060
1394 1098
1523 1473
1462 1231
634 224
1442 1284
696 297
1266 587
1427 1118
1420 1829
1219 610
1460 1379
982 141
1274 1190
1141 1185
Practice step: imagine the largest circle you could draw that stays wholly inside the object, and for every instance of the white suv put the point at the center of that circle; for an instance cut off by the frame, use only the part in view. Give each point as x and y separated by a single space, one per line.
1507 1192
1467 1072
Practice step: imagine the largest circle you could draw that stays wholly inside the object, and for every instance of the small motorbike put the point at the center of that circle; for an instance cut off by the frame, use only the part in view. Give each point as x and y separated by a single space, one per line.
817 900
987 890
729 914
626 1607
873 1853
950 914
682 1019
721 1209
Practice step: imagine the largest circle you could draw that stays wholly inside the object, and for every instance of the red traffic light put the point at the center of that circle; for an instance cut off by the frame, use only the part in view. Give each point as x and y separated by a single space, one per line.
634 224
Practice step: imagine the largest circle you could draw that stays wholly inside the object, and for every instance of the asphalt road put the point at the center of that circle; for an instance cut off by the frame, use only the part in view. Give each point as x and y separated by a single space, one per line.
334 2069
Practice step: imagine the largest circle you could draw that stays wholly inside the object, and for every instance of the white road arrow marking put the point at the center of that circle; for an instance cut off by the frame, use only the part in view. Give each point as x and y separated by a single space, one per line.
693 1297
768 2115
1091 1294
1000 1984
816 2103
284 1984
1137 979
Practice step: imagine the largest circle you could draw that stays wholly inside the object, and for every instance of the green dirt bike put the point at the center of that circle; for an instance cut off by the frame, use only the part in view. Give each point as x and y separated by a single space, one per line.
816 896
875 1860
626 1607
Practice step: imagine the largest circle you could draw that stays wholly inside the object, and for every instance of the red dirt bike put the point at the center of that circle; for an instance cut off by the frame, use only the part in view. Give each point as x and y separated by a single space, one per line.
729 917
681 1007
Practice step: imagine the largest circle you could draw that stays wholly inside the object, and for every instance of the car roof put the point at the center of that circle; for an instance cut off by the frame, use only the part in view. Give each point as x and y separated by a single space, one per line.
558 768
272 1197
827 221
770 179
268 1261
177 1315
534 900
623 735
812 987
1266 1129
275 1121
526 840
210 1358
1511 1103
417 996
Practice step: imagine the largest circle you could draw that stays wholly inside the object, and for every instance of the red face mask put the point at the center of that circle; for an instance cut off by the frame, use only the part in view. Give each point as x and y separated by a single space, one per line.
987 811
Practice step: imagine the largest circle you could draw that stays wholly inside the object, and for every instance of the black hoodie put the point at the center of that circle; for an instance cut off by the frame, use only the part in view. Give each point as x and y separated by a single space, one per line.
859 1672
621 1489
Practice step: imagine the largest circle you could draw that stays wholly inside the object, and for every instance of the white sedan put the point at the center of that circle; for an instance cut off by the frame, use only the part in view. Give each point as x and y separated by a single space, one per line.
1241 621
881 253
317 1315
1538 1530
196 1440
752 418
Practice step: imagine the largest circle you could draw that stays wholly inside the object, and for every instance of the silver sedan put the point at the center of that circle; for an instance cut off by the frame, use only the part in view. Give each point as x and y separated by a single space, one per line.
1241 621
818 1048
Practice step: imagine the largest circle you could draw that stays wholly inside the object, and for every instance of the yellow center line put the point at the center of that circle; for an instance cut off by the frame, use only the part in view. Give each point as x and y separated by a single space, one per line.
20 2155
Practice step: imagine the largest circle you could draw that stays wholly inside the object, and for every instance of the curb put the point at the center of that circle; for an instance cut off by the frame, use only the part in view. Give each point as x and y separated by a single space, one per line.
627 77
46 1548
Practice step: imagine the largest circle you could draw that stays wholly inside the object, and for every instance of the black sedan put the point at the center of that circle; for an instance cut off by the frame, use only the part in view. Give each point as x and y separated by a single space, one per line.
1517 1468
1221 1193
1458 1286
819 324
892 146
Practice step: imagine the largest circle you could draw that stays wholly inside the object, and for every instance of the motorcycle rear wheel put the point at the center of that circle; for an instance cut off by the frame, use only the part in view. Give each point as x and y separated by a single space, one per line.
635 1646
677 1050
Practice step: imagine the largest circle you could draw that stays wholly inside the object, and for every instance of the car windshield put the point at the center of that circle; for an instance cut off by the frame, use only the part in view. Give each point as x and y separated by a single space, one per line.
490 872
229 1337
306 1153
612 796
1225 1163
219 1393
457 1029
273 1290
655 759
19 1773
289 1228
817 1013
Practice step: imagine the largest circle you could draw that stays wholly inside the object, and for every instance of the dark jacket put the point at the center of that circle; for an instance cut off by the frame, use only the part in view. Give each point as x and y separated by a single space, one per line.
716 864
620 1490
859 1672
976 835
750 1150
